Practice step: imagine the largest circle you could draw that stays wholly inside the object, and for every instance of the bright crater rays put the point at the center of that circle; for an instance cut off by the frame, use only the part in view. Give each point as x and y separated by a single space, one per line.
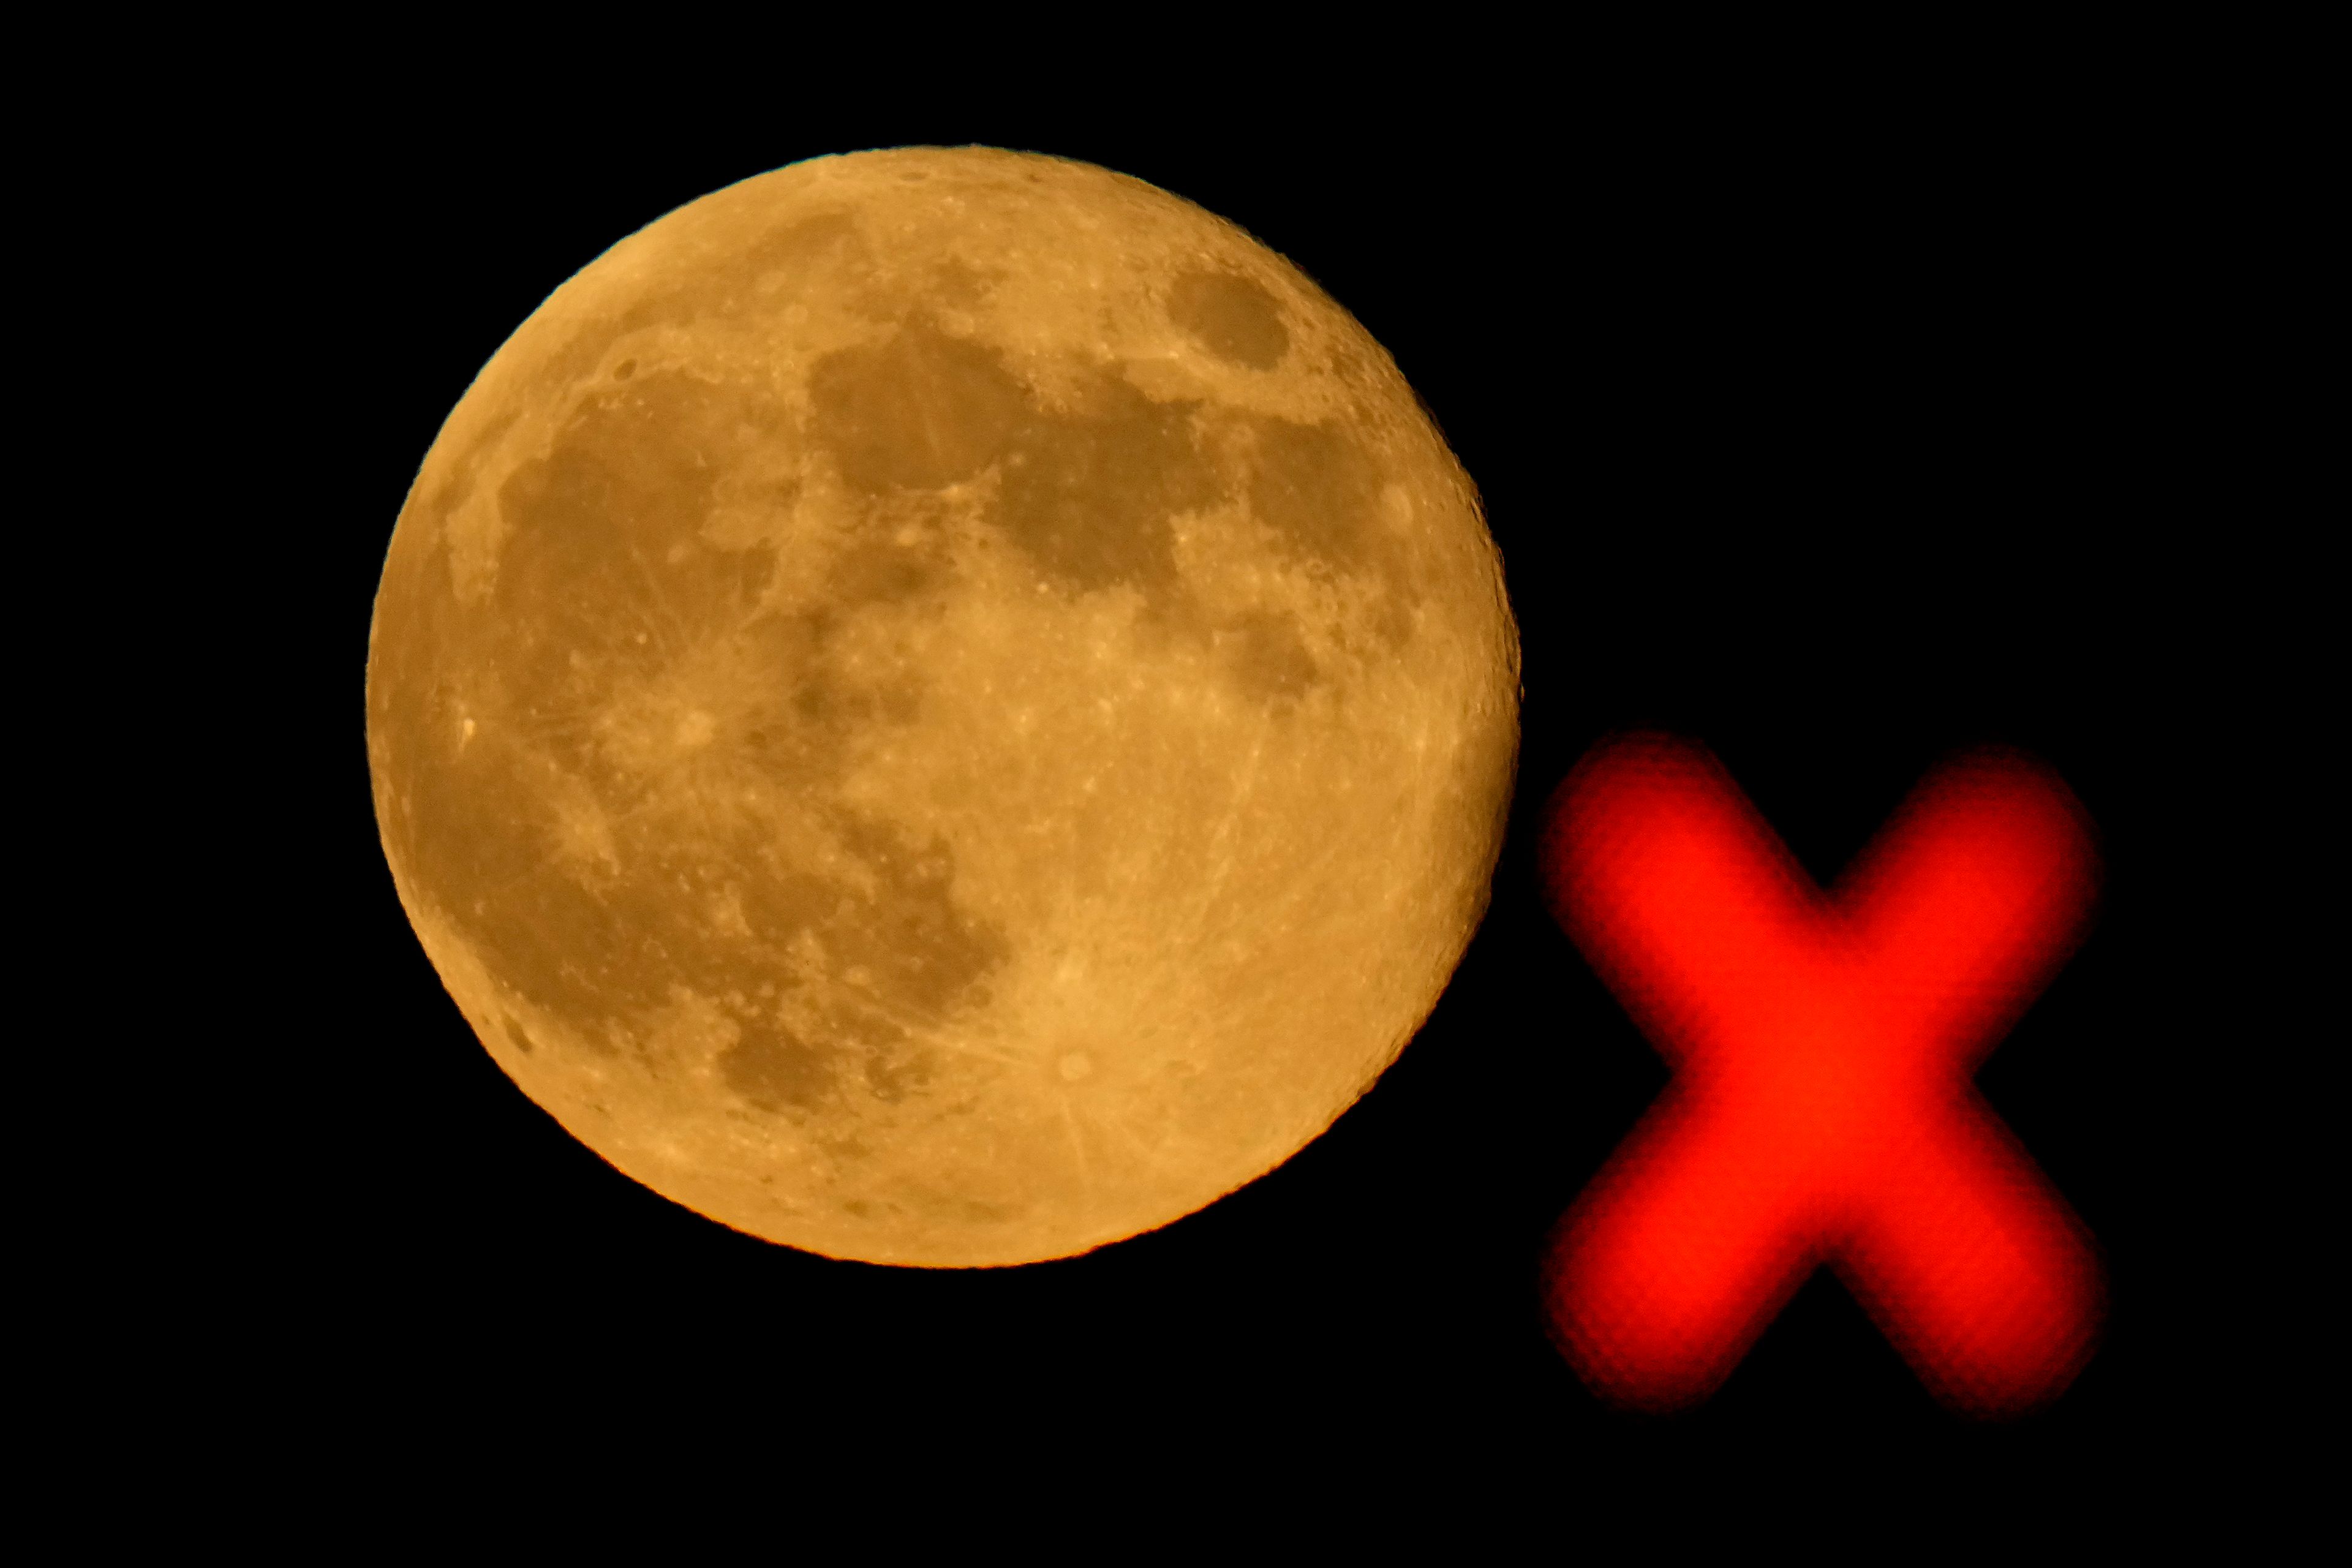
942 707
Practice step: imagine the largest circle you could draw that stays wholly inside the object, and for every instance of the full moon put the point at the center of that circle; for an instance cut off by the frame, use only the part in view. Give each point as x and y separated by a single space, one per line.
942 707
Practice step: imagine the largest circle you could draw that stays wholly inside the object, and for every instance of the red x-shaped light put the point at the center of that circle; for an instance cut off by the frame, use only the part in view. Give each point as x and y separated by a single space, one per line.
1821 1109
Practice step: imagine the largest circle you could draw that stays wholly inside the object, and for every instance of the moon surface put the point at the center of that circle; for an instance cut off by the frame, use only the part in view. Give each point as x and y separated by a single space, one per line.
942 707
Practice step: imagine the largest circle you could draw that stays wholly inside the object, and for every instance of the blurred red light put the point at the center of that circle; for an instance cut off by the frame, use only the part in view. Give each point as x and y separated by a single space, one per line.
1822 1111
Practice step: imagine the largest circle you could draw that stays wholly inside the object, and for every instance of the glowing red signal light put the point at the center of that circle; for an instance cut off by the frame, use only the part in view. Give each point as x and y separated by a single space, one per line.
1821 1110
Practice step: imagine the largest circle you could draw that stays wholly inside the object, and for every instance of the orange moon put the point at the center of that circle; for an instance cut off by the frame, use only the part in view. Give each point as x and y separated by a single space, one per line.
942 707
